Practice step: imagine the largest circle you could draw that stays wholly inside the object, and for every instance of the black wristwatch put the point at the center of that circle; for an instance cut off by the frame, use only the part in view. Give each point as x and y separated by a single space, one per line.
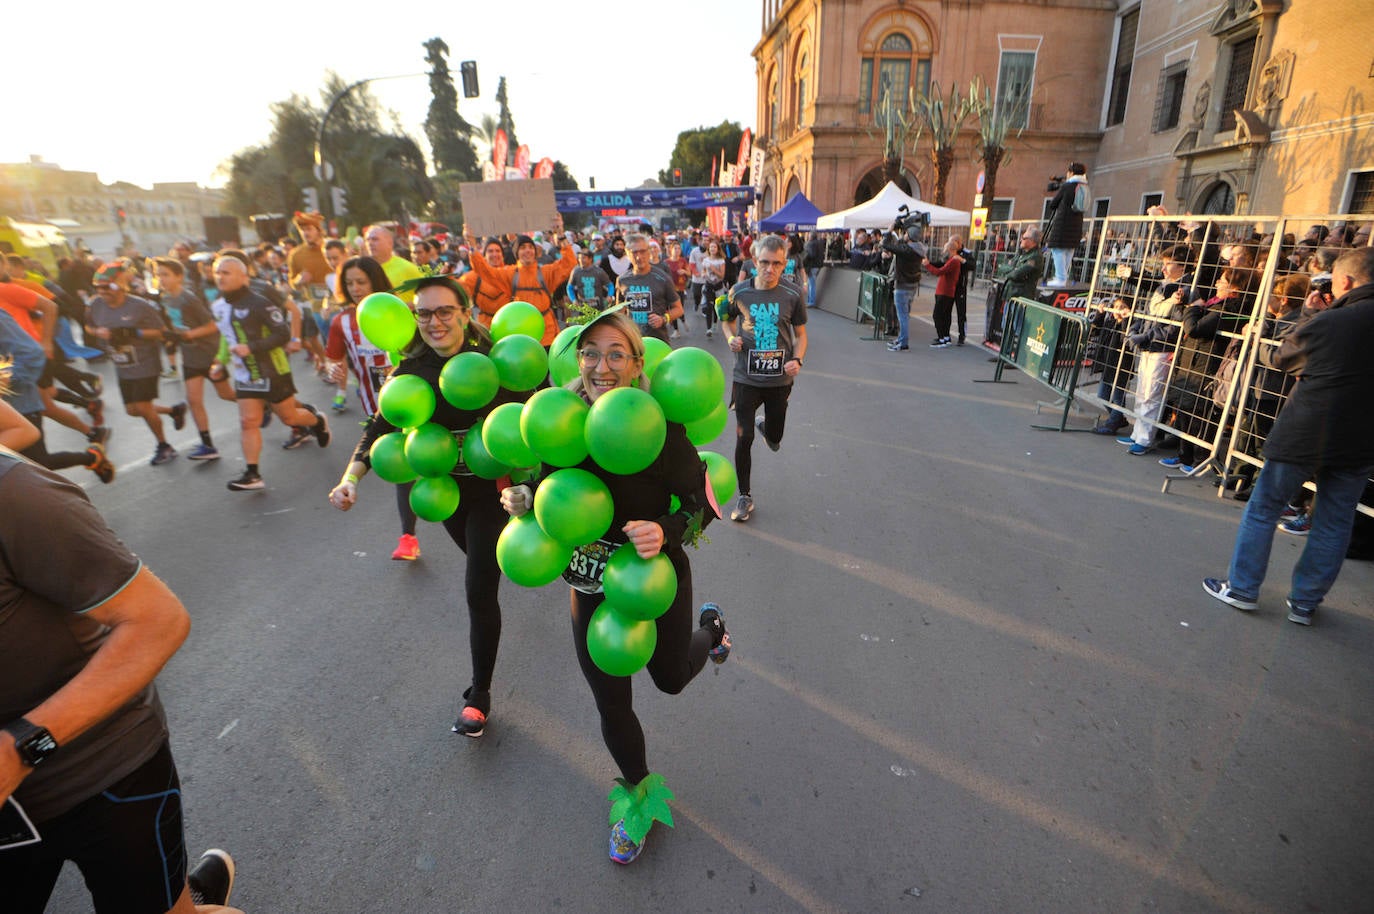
33 743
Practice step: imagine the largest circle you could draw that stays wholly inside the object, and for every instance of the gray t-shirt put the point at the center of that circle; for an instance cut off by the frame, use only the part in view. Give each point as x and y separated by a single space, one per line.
59 560
186 311
133 358
649 293
765 320
589 285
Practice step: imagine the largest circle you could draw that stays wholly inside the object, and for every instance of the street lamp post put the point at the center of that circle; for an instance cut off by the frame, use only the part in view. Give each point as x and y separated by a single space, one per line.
324 171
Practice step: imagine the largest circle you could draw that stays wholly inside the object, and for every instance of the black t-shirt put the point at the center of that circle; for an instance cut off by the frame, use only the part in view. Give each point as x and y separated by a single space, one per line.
58 560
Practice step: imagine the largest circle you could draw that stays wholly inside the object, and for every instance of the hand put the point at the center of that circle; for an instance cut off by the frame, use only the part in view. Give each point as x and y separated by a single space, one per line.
791 367
655 321
48 350
102 333
517 500
736 343
344 495
305 277
646 536
337 372
241 350
294 346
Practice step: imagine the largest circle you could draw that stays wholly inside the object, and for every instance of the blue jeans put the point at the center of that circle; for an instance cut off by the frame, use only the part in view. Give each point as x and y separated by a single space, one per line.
1063 263
1333 517
811 288
1109 393
901 300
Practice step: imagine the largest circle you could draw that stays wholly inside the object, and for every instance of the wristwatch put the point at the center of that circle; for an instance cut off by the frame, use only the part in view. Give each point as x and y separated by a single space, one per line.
33 743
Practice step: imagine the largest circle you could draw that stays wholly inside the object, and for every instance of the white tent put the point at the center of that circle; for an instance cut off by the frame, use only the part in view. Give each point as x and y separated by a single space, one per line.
882 210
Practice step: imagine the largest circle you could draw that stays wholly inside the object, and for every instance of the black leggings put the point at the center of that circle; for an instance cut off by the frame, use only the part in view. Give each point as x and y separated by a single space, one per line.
404 509
475 527
708 305
747 401
38 451
679 655
944 308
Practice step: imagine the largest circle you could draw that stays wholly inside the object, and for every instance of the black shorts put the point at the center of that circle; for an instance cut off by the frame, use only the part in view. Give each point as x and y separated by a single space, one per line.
138 390
127 841
187 372
309 327
279 388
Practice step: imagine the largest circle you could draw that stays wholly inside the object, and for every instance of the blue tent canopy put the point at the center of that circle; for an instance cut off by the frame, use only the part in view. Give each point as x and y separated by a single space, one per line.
797 215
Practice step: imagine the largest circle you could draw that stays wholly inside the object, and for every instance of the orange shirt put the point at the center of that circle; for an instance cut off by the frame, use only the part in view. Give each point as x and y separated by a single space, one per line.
536 285
22 305
487 297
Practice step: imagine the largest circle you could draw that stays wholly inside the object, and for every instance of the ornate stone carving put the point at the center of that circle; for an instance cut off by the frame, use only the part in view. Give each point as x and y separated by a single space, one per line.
1201 102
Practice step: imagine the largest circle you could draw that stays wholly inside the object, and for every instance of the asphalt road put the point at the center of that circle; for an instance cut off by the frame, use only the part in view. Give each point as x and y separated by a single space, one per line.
974 671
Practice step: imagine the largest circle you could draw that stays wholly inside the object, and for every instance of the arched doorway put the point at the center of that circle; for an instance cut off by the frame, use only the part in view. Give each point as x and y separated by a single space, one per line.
876 180
793 188
1220 200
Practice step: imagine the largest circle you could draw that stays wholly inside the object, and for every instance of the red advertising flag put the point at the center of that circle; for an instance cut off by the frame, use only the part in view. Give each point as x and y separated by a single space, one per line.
522 160
500 148
544 169
746 145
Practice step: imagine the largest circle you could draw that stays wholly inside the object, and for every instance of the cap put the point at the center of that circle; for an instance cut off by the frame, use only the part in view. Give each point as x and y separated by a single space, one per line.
522 240
598 237
114 273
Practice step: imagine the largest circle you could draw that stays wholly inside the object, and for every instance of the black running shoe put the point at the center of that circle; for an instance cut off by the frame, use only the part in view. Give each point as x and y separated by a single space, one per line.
248 482
99 434
714 620
100 464
212 878
321 428
299 437
96 409
179 416
472 720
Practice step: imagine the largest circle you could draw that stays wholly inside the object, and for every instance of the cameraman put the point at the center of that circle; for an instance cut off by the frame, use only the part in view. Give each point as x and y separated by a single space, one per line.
1064 231
908 254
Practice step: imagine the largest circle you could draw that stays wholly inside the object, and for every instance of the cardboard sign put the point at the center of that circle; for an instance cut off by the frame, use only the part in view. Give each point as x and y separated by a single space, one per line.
497 207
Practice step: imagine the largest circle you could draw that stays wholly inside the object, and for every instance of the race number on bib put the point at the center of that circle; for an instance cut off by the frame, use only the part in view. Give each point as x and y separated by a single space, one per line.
765 363
378 375
253 386
124 356
587 565
639 301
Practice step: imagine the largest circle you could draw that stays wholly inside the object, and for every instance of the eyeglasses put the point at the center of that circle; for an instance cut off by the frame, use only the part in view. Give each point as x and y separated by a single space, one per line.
637 251
444 314
615 359
772 264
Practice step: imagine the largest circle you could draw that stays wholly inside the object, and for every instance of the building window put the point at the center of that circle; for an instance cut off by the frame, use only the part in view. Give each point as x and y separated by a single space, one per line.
773 108
1121 67
1100 207
893 70
1015 79
802 74
1169 100
1149 200
1237 81
1220 201
1000 211
1361 193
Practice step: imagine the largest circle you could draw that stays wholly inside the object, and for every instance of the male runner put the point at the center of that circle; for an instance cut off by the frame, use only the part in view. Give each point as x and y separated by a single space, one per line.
650 293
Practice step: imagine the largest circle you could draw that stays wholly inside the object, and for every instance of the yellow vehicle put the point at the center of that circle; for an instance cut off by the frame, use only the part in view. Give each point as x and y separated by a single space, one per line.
42 241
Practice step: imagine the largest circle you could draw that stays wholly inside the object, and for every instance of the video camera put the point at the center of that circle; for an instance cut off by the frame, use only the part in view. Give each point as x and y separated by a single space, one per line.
907 220
1056 182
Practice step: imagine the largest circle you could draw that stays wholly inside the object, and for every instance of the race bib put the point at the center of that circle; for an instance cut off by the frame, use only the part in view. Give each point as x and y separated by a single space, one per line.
378 375
124 356
587 565
766 363
251 386
640 301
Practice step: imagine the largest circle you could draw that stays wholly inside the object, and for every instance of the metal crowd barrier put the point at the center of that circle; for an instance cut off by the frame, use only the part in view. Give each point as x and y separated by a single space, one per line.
1047 344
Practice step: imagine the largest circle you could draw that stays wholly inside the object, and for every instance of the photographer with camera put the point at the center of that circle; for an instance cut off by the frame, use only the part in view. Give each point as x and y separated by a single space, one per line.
908 252
1064 227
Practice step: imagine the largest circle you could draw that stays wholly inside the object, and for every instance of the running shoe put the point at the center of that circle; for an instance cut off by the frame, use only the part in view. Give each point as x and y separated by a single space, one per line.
99 434
164 454
623 850
1222 591
407 548
1125 439
1289 511
1300 614
710 332
203 452
674 335
714 619
1175 463
321 428
940 342
472 720
169 373
248 482
179 415
744 507
212 878
96 409
299 437
340 403
771 446
1140 450
100 464
1301 525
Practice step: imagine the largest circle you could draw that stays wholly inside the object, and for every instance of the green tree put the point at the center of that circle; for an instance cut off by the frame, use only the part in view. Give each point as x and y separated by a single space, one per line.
450 136
696 148
562 178
941 118
505 122
995 126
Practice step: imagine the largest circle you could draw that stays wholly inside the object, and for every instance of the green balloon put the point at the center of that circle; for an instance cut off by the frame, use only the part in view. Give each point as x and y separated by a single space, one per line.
386 321
573 507
721 474
434 499
406 401
388 456
432 450
655 351
625 430
478 459
469 380
563 356
521 363
529 556
708 428
639 588
501 435
620 645
518 318
552 423
688 384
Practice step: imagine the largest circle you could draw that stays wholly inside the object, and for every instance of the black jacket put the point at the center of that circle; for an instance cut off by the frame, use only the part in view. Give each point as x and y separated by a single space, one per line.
1328 420
907 258
1065 223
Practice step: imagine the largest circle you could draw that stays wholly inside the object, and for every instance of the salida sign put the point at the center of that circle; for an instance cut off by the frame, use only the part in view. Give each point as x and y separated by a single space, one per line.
572 201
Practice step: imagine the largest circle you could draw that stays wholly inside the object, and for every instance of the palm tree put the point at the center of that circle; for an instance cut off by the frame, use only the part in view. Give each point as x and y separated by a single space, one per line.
995 125
486 132
943 118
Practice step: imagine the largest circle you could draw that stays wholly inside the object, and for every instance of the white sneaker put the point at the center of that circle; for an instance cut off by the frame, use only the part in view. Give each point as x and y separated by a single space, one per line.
673 335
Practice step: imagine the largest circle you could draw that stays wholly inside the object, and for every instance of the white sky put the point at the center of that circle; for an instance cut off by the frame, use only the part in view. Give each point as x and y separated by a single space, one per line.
161 91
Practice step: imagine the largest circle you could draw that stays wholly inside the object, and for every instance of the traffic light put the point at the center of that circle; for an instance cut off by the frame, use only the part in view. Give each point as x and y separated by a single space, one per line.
120 215
311 197
677 177
339 197
469 71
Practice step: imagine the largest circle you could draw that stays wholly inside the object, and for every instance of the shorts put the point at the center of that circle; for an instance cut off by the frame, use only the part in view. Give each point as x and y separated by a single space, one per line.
127 840
281 388
187 372
310 329
138 390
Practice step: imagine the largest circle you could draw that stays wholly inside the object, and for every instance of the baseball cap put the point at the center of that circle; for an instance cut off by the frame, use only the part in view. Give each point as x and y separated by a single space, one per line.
114 273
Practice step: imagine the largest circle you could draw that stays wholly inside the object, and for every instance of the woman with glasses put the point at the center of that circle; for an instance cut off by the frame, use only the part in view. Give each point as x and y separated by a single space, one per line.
445 328
347 348
610 355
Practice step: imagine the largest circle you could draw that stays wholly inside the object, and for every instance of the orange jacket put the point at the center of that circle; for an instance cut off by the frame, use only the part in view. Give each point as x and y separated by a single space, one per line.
536 285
